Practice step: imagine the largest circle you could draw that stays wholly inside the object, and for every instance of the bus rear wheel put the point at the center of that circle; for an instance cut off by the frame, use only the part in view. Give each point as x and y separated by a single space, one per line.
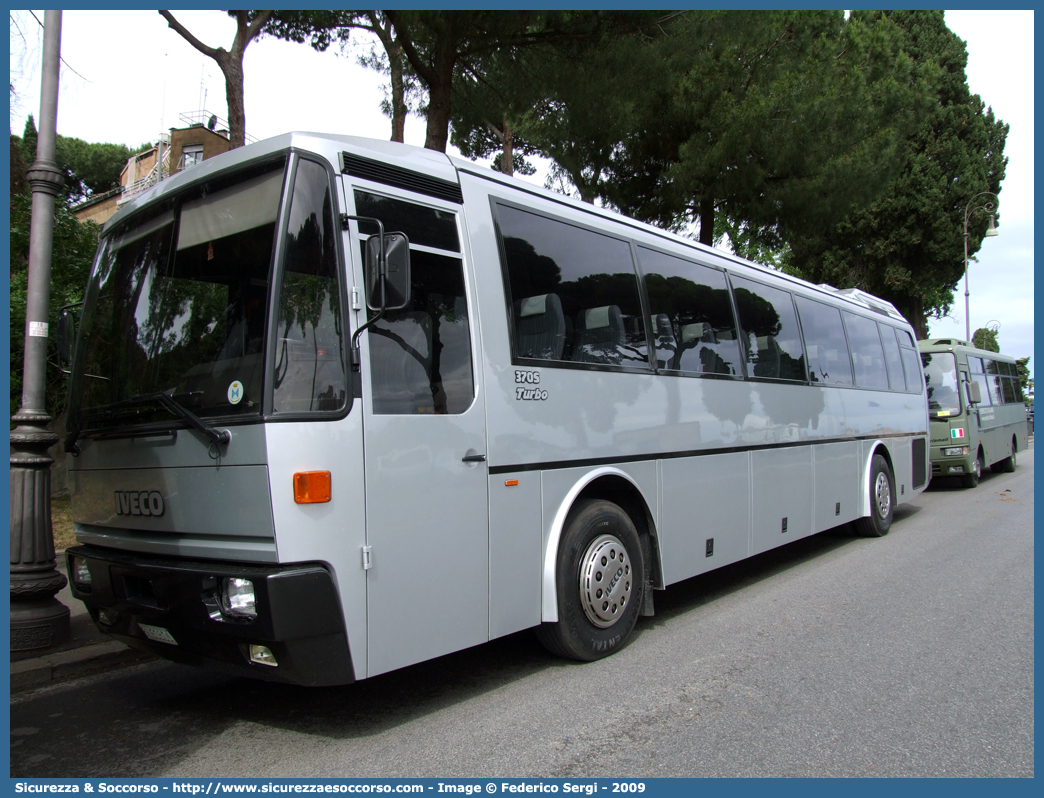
971 479
600 578
882 500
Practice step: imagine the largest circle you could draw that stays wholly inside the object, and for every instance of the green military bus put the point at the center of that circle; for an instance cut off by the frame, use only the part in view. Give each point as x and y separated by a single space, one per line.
976 409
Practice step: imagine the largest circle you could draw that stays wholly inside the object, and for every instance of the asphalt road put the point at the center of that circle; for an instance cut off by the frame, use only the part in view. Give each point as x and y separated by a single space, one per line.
910 655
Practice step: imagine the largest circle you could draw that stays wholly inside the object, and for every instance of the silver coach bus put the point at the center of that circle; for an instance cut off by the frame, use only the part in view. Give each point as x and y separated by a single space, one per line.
339 406
976 410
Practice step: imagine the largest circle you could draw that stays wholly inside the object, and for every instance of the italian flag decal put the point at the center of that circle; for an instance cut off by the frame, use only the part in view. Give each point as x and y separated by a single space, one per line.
957 433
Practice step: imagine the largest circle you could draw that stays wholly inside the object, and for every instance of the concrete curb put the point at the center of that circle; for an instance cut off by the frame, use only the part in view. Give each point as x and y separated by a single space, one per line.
87 651
73 664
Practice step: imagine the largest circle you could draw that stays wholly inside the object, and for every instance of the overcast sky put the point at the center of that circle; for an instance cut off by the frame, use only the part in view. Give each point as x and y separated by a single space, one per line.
126 77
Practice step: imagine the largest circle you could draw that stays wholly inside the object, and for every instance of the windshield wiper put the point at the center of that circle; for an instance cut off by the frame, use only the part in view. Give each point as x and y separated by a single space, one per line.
214 435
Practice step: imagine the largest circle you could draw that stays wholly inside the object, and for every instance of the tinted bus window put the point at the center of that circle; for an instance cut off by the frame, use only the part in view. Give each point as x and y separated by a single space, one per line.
310 357
1010 393
420 356
976 372
825 343
770 331
867 353
573 292
940 375
422 225
911 362
993 381
893 360
691 316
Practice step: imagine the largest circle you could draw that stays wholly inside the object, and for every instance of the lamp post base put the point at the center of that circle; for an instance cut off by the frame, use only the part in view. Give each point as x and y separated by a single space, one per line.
38 619
39 624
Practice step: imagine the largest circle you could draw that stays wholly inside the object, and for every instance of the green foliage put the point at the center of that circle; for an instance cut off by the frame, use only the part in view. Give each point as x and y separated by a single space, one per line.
29 141
907 246
487 110
776 121
986 339
564 97
89 168
18 167
72 252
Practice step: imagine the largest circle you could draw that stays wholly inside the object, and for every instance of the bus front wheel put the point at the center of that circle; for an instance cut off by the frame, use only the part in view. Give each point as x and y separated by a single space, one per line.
882 500
600 577
971 479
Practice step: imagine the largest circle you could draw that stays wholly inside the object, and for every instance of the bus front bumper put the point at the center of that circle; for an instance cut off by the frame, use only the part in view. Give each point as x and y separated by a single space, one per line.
279 623
946 462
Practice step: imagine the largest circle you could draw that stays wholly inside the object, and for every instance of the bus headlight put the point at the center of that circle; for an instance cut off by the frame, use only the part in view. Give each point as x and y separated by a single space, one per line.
237 597
956 451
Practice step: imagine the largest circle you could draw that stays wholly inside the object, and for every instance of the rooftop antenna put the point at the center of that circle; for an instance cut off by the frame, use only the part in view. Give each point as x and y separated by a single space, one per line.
202 91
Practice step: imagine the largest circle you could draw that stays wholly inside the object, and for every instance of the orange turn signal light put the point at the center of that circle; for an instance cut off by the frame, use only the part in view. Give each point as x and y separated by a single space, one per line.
312 487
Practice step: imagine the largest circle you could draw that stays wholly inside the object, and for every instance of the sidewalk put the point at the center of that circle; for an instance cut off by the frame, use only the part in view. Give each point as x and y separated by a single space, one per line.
87 651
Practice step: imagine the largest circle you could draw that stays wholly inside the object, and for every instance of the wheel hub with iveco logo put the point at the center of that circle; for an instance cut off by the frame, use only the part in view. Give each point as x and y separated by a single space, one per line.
605 581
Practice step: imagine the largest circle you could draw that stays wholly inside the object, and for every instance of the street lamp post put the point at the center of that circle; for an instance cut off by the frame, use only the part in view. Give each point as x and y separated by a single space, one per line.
988 206
38 619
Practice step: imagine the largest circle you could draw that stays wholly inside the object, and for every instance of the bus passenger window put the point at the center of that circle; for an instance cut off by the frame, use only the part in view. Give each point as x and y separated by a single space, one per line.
573 292
771 338
1010 390
691 323
828 361
893 360
867 352
911 362
994 380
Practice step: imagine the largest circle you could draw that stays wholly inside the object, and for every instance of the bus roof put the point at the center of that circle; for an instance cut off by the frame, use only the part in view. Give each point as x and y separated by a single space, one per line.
447 168
951 344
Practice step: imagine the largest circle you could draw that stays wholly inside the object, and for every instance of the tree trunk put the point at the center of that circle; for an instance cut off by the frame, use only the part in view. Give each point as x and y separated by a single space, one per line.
507 155
916 316
398 91
233 72
440 97
707 221
231 65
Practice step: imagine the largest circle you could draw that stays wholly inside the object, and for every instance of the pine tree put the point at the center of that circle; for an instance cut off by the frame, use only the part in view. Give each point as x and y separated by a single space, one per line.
908 246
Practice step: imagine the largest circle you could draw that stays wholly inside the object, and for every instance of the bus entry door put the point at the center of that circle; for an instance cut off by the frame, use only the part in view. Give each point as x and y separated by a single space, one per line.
426 477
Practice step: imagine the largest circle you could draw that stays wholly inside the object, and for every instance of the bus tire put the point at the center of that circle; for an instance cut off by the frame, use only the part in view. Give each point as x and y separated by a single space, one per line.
600 577
882 500
1007 465
971 479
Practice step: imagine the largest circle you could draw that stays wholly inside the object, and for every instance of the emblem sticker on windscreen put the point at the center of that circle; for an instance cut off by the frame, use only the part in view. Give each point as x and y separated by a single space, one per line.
235 392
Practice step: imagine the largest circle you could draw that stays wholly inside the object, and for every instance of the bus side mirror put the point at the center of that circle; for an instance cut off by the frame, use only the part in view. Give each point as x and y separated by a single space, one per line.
66 336
393 291
974 393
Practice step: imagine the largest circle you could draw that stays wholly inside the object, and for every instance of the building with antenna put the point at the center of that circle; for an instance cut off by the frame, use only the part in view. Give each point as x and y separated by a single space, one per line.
201 136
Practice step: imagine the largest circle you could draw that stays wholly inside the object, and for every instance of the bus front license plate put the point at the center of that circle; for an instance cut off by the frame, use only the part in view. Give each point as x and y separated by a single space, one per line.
158 633
956 469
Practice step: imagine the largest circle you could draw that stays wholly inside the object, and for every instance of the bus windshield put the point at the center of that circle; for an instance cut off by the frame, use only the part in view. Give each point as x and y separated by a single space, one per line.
177 304
940 375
